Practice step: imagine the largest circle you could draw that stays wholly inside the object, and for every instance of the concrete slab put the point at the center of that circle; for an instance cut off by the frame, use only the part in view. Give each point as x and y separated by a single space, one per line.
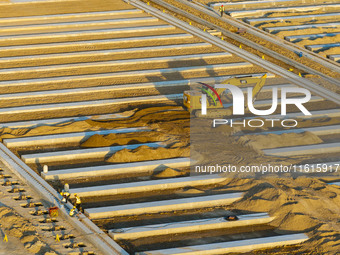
334 57
234 246
296 38
246 4
268 102
187 227
299 27
73 26
131 188
87 104
293 18
262 3
262 12
143 168
323 130
60 139
304 150
115 63
140 73
93 53
82 154
48 122
315 114
99 32
162 206
322 46
41 19
100 89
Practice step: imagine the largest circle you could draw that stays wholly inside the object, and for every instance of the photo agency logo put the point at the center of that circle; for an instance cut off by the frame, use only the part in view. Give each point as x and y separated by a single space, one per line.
210 101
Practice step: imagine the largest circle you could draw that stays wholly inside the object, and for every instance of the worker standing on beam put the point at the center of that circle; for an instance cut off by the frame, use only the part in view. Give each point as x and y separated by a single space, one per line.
221 10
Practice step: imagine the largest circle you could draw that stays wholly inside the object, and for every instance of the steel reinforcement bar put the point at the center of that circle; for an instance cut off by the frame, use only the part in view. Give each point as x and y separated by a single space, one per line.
293 78
85 226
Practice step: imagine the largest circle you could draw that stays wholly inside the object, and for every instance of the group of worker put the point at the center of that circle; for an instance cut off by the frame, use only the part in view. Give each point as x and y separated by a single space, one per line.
65 193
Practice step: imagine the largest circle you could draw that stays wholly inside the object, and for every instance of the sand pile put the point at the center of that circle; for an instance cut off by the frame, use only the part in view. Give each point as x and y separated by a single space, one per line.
269 141
169 172
302 204
16 226
146 153
122 139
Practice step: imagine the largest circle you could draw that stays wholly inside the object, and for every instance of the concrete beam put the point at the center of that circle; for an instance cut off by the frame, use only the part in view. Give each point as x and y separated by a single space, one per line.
41 19
143 168
322 130
304 150
334 57
297 38
300 27
293 18
268 102
315 114
242 246
262 12
322 46
131 188
158 207
187 227
73 26
47 122
60 139
83 154
100 89
88 104
262 3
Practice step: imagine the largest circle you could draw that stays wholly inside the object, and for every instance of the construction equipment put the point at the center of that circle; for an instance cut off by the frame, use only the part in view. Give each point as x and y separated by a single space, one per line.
192 98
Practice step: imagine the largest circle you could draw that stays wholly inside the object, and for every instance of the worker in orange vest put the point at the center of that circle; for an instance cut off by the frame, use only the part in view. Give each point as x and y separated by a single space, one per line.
221 10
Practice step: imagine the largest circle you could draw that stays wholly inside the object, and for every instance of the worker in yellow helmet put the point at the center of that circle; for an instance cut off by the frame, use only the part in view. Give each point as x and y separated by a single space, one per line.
78 203
221 10
65 194
73 211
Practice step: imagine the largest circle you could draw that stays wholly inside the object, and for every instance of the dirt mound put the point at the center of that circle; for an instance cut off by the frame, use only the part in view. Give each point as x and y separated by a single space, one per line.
144 153
169 172
302 205
283 140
